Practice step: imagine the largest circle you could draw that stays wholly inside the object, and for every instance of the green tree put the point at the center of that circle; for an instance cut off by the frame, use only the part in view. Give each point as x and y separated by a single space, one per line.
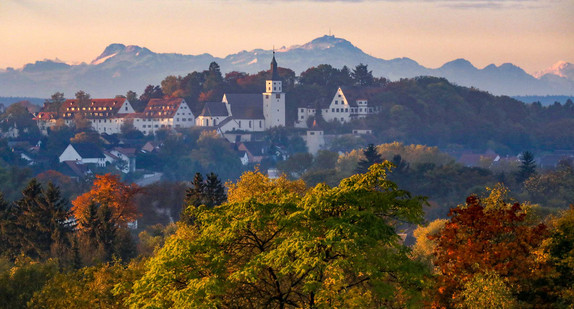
527 167
362 76
371 156
276 245
209 192
55 102
41 223
560 248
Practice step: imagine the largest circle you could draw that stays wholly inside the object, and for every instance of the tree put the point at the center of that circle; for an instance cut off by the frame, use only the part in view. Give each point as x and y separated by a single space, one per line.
275 244
209 192
108 190
54 103
39 223
560 248
527 167
493 239
362 76
371 156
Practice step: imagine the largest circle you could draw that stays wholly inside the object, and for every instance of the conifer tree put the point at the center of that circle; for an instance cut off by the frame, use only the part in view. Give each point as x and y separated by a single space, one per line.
371 157
527 166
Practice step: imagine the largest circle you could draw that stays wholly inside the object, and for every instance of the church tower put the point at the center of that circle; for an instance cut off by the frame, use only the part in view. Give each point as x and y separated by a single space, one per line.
274 99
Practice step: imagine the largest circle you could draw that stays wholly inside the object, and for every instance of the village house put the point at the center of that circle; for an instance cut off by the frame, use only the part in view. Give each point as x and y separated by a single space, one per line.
83 153
347 104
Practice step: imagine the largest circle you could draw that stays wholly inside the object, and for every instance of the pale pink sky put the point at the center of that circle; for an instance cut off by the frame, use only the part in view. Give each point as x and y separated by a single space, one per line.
533 34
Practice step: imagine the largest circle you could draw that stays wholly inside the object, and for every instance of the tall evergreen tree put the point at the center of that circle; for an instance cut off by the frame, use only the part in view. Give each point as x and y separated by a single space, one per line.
527 166
209 192
371 157
40 223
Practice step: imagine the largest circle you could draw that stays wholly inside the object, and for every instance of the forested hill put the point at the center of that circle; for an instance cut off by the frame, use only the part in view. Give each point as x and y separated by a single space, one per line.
433 111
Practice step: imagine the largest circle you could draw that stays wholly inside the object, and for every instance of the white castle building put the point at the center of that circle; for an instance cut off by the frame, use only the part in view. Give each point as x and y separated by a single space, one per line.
235 112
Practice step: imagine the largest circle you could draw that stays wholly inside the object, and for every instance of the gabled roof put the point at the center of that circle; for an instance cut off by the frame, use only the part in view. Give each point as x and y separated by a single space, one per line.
214 109
354 93
45 116
245 105
87 150
256 148
162 108
96 108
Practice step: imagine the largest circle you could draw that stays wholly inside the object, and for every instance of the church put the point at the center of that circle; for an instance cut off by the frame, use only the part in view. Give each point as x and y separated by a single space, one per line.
247 112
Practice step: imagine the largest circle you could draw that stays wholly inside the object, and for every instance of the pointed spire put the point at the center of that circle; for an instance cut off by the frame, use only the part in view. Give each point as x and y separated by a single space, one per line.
274 71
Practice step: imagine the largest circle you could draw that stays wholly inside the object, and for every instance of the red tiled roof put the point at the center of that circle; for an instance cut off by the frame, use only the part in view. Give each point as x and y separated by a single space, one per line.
162 108
97 108
45 116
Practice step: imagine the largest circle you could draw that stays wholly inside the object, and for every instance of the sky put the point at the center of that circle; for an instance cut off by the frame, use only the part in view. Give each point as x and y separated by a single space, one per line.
533 34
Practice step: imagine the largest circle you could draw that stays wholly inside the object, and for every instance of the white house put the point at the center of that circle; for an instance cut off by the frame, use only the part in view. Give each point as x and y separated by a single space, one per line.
83 153
348 103
161 114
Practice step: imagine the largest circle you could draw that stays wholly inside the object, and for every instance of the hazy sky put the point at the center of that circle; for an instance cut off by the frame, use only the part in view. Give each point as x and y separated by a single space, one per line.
532 34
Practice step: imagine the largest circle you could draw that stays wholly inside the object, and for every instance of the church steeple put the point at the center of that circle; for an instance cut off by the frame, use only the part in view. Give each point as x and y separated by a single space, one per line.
274 71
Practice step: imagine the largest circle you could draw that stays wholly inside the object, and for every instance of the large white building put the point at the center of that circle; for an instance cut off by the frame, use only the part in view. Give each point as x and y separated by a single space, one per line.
348 103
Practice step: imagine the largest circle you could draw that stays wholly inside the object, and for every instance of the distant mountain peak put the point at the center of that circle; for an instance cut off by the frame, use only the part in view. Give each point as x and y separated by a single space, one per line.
117 49
560 68
459 64
322 43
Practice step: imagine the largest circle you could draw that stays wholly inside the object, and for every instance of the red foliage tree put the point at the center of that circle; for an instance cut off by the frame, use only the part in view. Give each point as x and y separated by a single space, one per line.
495 239
110 191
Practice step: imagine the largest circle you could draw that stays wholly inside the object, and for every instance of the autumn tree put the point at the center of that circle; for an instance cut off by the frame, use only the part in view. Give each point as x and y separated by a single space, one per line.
276 244
493 239
108 190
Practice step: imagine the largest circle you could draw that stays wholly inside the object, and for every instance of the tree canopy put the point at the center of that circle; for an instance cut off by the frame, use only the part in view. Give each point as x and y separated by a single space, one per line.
276 244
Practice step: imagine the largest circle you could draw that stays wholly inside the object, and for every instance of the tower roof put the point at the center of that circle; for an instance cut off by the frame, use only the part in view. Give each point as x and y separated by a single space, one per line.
274 71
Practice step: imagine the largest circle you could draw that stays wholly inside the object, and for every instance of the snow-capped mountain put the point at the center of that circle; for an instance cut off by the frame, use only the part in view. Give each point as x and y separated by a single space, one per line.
120 68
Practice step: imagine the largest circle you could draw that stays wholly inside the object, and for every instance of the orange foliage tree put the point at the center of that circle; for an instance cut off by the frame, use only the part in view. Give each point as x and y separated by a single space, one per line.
110 191
485 239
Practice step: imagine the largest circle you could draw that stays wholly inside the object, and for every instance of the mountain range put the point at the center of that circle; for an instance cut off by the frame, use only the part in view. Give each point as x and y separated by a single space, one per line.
121 68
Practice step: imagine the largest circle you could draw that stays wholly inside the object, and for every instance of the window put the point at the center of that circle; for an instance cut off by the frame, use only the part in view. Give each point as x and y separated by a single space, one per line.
312 133
274 88
240 124
332 110
346 110
214 122
260 124
250 124
337 110
126 108
302 110
278 96
302 117
336 102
